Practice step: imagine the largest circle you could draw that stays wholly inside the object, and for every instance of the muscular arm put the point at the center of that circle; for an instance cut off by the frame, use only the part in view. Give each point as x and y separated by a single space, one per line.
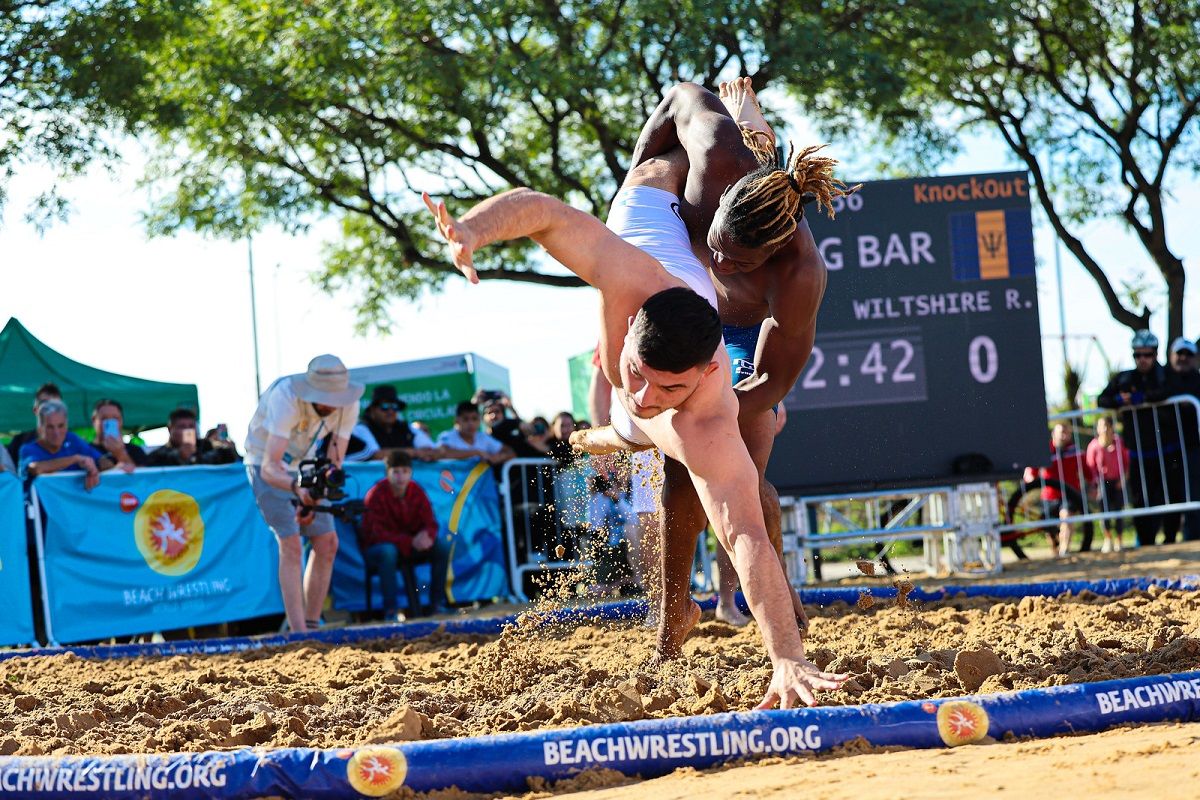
600 398
786 339
602 440
577 240
726 482
624 275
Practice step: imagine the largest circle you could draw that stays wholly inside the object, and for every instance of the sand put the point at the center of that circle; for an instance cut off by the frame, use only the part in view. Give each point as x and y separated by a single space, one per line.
533 677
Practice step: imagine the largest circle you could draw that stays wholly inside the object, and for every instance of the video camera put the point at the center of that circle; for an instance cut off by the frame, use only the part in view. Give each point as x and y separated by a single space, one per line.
322 479
326 482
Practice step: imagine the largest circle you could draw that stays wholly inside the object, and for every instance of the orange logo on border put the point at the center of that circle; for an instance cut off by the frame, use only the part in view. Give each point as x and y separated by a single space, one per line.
377 771
961 722
129 501
169 532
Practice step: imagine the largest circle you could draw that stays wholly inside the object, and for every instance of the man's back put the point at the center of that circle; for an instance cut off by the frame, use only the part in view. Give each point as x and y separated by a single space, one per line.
282 412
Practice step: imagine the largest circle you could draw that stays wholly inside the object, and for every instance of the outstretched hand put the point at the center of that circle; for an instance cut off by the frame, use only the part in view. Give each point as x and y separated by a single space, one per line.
457 234
798 678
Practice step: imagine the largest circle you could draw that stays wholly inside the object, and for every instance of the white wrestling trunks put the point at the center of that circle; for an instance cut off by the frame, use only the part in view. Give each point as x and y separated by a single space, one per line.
648 218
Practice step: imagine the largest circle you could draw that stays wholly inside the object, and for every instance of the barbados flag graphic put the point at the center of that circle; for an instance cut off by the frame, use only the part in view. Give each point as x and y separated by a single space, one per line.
985 245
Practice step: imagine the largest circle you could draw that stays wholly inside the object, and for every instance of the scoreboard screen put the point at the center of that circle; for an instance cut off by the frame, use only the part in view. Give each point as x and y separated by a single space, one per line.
928 361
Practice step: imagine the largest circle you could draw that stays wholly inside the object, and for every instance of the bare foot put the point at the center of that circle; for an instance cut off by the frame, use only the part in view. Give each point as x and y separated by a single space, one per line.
731 615
738 96
673 629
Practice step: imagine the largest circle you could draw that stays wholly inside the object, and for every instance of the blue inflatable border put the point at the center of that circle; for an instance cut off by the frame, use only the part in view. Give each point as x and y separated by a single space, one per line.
647 748
625 609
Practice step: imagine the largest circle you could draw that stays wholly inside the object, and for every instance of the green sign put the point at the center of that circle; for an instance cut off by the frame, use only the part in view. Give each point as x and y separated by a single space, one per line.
580 368
432 387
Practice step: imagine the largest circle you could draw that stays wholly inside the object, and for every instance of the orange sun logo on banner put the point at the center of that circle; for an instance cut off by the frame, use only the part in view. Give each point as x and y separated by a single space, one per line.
377 771
169 532
961 722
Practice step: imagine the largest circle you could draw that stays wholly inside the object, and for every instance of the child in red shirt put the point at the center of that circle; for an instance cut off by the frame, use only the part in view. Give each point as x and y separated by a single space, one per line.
399 530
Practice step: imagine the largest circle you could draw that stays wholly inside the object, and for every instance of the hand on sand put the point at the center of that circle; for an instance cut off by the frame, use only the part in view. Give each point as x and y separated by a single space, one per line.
457 234
797 678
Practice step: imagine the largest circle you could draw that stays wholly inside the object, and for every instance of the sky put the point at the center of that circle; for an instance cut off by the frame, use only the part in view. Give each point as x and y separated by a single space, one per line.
97 289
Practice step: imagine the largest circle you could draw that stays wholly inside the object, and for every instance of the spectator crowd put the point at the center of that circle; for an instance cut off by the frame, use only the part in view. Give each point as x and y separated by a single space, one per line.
396 526
1153 463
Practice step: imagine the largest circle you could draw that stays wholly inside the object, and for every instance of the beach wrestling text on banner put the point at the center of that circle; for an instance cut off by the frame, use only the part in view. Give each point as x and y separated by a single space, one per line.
467 507
927 361
155 550
16 610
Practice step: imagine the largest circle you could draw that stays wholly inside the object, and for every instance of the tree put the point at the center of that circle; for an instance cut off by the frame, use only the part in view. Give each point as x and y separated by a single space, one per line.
64 68
278 111
1106 90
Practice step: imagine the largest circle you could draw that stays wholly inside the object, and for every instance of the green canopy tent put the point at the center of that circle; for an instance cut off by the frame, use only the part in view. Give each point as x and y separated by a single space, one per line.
26 363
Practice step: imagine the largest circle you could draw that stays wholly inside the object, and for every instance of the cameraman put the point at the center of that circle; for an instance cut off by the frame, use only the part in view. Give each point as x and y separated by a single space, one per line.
293 415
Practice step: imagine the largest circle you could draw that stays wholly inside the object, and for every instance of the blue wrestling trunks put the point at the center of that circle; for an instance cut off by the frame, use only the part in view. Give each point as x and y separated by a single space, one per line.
740 343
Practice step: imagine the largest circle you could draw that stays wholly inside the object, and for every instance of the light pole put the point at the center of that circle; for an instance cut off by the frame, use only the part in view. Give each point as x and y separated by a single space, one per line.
253 317
1062 306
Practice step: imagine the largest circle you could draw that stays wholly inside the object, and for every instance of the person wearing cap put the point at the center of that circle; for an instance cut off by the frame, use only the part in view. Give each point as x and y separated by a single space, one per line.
1183 465
1145 383
381 429
294 414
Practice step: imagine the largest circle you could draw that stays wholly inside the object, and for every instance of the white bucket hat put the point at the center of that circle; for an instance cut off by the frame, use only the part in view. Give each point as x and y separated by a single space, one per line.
327 382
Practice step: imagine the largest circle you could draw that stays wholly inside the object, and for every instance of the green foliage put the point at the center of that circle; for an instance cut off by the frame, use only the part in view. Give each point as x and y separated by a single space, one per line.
285 111
66 70
266 111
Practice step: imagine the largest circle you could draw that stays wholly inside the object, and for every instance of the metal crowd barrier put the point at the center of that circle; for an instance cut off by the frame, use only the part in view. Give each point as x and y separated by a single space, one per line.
841 520
1163 476
956 525
545 507
545 510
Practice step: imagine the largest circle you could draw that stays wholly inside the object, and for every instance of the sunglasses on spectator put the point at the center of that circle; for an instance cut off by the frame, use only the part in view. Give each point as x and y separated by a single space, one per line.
390 406
1145 354
1184 354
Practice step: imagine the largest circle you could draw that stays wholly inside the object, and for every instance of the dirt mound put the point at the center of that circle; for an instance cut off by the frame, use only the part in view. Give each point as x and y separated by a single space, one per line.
535 677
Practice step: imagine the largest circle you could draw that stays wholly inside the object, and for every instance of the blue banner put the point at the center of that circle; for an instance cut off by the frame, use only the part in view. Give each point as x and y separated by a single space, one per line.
466 505
16 611
155 550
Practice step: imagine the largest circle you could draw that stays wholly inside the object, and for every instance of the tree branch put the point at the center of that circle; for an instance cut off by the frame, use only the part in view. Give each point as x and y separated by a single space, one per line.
1019 144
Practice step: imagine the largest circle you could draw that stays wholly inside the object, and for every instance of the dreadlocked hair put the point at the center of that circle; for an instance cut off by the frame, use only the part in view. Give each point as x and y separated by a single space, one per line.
767 204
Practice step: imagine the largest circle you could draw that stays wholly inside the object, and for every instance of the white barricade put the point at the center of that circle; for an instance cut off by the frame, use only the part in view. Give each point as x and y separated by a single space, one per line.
1160 485
544 509
874 518
974 545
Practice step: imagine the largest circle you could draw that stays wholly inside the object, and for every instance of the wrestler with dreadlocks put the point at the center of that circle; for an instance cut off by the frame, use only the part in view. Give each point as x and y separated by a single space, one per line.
743 207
